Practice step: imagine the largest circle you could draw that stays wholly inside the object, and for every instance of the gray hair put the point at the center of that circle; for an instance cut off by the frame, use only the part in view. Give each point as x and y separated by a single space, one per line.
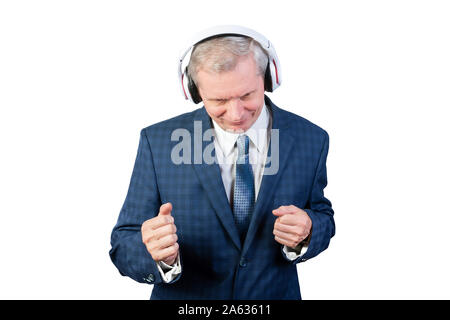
221 54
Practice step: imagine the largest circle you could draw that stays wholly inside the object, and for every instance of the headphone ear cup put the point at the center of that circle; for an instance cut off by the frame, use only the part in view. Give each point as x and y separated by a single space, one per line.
185 85
275 75
193 90
268 79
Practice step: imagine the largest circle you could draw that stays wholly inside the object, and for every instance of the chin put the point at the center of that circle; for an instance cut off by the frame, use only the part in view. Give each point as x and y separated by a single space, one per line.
238 128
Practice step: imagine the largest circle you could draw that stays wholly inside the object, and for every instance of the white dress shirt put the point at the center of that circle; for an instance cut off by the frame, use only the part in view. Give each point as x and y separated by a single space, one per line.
226 154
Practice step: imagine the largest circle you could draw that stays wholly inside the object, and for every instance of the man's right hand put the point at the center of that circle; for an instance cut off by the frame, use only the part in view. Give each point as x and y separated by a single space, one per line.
159 236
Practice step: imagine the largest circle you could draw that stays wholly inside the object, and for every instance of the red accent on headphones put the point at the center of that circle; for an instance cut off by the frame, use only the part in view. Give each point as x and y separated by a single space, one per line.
276 71
182 85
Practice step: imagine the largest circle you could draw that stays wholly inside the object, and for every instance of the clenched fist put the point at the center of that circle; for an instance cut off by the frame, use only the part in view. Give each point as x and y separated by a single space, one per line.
292 226
159 236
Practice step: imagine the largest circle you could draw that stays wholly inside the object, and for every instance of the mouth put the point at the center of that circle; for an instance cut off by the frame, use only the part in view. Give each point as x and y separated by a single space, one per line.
237 123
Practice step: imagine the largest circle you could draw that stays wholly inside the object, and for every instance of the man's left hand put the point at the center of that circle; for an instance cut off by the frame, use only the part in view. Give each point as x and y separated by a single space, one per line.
292 226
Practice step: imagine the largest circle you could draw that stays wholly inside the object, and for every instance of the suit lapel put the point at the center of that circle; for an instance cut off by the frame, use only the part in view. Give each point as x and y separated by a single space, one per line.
210 177
269 182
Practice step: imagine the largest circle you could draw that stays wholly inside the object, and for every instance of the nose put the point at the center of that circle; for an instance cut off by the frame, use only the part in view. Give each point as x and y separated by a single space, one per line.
236 110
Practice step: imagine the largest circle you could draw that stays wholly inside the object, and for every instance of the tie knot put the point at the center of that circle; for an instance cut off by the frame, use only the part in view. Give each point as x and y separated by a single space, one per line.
242 144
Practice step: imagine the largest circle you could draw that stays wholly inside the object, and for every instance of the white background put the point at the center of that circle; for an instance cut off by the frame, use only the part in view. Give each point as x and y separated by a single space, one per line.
79 79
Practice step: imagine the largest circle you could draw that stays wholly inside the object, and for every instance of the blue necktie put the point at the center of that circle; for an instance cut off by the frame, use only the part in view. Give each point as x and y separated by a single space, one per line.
244 188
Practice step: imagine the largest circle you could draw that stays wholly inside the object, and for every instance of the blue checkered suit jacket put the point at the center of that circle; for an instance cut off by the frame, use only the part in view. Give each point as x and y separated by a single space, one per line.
215 264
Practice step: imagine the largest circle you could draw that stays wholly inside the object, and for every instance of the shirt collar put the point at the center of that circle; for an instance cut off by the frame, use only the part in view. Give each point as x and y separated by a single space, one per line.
257 133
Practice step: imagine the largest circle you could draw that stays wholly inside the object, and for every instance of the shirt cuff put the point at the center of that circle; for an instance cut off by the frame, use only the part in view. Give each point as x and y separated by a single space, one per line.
298 251
168 272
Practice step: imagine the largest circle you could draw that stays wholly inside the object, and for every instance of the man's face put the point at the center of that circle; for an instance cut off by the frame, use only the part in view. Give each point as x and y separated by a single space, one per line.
234 99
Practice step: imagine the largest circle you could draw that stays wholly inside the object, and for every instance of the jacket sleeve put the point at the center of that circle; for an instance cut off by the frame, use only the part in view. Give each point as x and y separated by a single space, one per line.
128 252
319 210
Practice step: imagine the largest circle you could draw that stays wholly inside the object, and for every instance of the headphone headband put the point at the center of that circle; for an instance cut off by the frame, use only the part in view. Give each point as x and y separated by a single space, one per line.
273 65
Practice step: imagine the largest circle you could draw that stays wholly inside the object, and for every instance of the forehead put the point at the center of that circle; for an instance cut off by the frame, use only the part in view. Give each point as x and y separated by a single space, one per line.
243 79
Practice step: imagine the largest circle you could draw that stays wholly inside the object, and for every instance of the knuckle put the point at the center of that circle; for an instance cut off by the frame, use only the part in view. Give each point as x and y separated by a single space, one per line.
145 238
145 228
161 231
149 235
155 256
153 245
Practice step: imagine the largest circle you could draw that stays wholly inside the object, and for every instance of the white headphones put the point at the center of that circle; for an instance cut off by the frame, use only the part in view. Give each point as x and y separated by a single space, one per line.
272 78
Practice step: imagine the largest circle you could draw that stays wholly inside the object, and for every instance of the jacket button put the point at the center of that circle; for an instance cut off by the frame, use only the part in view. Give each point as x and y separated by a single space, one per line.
243 262
150 278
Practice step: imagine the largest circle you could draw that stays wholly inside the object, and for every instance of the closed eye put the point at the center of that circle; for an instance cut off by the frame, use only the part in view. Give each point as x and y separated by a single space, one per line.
247 95
220 101
223 101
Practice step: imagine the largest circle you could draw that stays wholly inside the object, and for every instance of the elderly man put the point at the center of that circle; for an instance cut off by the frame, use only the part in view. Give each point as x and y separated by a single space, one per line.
235 227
